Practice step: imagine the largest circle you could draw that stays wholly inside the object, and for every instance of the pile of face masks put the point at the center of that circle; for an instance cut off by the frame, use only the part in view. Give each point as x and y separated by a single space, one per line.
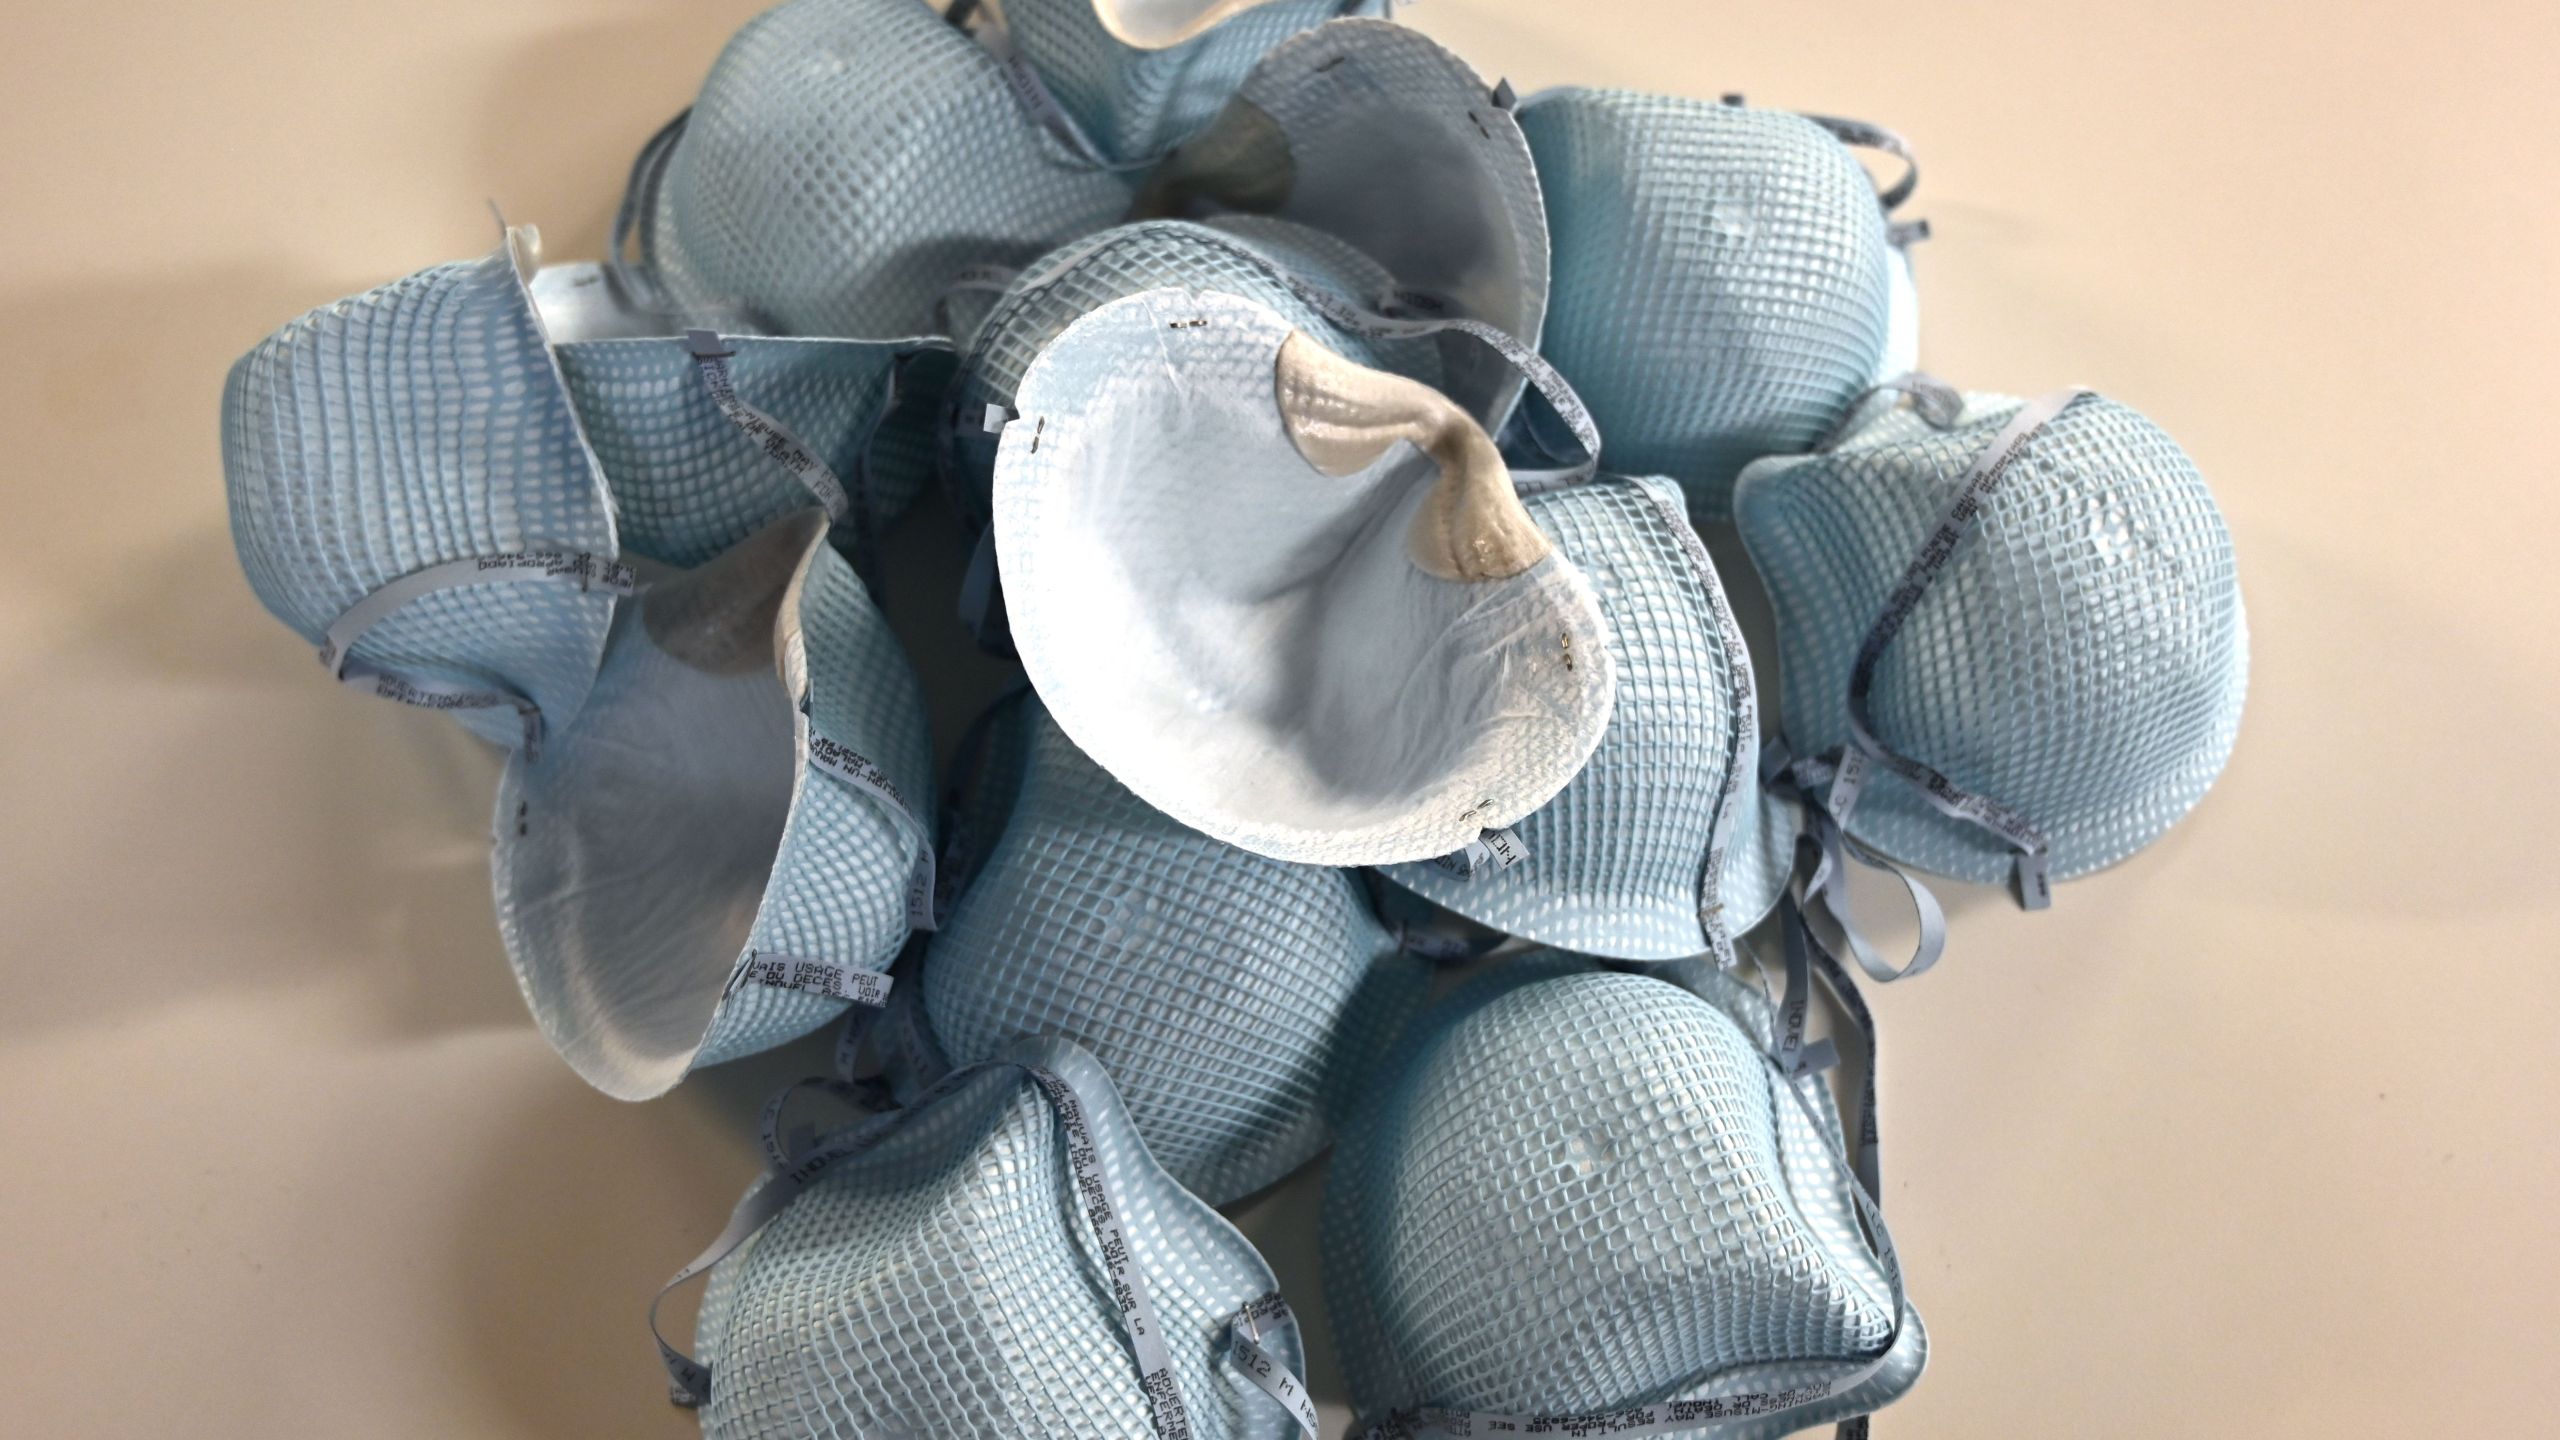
1331 429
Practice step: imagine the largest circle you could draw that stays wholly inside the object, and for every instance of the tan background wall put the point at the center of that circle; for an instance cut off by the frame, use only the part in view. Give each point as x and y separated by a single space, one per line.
2250 1137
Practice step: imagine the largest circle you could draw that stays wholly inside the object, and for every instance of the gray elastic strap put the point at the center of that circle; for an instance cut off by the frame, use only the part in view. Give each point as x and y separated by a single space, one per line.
968 763
640 199
1937 403
586 571
2034 891
1866 136
1795 1056
1826 889
1866 1153
426 694
711 356
1100 1204
1533 367
1271 1315
868 1096
1743 708
982 598
1672 1417
855 769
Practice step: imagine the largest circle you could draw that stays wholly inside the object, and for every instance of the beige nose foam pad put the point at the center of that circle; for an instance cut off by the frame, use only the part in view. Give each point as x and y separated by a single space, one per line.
728 617
1343 417
1159 24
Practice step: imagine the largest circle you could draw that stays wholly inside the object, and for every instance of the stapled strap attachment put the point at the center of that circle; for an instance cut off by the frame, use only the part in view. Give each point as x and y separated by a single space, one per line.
2032 884
855 769
585 571
690 1381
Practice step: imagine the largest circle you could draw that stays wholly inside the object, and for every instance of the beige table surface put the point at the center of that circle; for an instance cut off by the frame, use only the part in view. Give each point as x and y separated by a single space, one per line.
2253 1136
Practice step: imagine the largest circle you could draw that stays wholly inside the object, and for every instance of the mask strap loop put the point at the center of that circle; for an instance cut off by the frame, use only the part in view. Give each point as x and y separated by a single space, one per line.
587 571
869 1096
1825 889
857 772
690 1381
1863 135
2032 885
633 216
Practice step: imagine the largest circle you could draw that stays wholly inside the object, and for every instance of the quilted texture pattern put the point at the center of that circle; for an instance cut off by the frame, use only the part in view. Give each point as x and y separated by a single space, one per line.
1615 860
1722 284
847 159
415 424
1236 1001
686 483
945 1284
2083 657
1584 1190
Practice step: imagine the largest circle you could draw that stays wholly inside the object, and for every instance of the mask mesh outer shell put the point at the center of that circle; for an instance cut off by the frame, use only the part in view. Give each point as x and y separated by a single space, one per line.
835 892
1582 1191
1235 255
1135 104
1721 288
2083 657
944 1285
415 424
1234 999
688 484
1615 859
847 159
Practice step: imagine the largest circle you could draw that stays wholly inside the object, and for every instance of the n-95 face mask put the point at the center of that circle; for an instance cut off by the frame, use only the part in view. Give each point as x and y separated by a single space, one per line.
1292 602
1000 1259
1237 1001
2026 612
1664 845
1592 1198
720 854
1723 279
411 491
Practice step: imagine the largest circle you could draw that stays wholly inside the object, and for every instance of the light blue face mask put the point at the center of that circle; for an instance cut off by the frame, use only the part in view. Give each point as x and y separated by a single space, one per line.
1236 1001
1724 278
849 162
1290 601
724 850
1593 1198
1664 845
1000 1259
2010 633
411 491
709 430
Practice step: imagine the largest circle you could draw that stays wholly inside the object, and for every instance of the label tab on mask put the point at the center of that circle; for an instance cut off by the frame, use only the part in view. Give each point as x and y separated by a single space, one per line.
818 977
850 766
711 358
1493 851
